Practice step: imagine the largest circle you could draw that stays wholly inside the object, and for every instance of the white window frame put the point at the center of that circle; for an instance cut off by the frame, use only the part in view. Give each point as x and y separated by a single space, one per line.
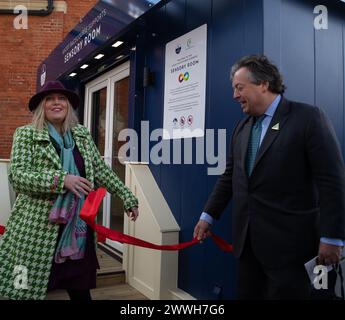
108 81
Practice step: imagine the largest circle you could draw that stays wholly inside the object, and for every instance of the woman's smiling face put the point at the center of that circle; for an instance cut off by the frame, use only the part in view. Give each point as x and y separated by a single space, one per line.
55 108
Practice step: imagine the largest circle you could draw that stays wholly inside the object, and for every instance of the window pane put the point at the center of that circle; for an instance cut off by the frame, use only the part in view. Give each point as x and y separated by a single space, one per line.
99 100
99 105
120 122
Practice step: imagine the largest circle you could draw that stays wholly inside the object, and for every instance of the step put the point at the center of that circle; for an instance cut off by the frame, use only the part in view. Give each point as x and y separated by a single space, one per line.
116 292
105 284
110 279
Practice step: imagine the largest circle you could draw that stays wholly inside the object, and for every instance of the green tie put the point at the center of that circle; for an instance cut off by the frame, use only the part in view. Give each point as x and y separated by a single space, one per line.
254 143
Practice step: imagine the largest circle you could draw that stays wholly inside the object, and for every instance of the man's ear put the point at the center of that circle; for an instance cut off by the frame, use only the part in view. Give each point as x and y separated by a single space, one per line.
265 85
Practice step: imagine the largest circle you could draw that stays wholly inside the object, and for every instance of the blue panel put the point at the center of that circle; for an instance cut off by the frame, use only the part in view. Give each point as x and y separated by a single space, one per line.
329 75
297 50
175 19
153 104
232 38
311 61
225 47
170 176
193 195
343 69
272 30
197 13
253 24
171 181
194 180
289 42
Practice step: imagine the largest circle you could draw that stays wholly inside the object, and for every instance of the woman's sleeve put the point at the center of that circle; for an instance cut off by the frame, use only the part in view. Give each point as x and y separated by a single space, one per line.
107 178
24 176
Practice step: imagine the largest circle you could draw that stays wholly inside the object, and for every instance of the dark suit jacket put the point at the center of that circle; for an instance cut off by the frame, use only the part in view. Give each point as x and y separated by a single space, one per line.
296 192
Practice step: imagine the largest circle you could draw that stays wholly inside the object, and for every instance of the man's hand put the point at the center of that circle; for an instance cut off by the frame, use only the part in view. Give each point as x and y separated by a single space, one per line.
133 213
201 230
329 254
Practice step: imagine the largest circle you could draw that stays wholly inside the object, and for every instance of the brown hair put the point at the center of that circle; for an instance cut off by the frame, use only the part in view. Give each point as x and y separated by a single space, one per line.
261 70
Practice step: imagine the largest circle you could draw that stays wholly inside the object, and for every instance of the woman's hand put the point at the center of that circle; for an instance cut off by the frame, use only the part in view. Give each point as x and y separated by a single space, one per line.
77 185
133 213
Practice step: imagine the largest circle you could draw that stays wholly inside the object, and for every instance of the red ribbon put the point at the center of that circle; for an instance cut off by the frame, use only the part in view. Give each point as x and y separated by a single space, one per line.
89 212
90 209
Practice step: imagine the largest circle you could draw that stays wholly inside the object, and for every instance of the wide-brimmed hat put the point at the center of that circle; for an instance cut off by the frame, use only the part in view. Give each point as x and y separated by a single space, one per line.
53 87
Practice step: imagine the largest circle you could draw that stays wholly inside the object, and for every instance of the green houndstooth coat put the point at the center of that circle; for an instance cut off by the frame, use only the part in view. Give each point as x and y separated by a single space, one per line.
28 245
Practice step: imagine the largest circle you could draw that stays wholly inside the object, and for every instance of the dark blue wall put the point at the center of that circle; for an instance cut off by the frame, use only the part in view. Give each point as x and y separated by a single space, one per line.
234 29
312 63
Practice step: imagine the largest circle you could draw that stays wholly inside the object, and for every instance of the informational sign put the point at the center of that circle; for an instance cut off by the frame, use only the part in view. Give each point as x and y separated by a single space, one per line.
185 85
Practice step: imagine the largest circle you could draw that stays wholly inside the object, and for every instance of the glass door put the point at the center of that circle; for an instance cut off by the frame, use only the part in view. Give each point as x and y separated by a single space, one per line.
106 114
97 110
120 121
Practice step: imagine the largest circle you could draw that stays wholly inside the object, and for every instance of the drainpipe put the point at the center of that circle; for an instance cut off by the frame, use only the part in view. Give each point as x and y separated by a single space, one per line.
48 11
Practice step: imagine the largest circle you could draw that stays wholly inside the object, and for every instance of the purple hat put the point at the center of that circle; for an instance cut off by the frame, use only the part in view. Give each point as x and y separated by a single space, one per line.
53 87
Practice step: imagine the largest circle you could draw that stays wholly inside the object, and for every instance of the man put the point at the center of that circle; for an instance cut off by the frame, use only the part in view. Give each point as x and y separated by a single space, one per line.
286 176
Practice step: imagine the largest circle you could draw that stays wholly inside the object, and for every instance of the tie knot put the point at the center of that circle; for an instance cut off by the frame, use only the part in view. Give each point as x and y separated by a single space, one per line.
258 120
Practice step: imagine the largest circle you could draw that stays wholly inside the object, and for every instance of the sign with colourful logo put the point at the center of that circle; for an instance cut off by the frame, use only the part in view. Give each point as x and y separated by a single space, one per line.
185 85
183 77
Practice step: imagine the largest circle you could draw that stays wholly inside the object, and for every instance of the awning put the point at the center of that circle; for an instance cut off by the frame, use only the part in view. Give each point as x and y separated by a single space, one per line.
103 22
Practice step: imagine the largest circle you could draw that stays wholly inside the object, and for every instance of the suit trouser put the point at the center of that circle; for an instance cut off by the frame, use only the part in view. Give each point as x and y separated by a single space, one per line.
256 281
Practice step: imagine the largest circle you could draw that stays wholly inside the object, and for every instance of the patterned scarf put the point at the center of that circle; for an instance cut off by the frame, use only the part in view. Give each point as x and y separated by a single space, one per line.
67 206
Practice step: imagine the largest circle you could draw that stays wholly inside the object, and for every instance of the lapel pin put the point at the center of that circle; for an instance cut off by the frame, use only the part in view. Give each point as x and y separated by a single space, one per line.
276 127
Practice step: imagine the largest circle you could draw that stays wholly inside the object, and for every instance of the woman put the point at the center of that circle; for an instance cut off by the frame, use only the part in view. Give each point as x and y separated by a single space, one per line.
54 165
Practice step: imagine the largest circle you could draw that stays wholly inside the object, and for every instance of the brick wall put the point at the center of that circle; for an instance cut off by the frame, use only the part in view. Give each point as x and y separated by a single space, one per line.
21 51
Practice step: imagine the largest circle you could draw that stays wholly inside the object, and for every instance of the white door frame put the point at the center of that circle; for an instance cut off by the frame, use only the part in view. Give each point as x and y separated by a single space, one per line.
106 80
